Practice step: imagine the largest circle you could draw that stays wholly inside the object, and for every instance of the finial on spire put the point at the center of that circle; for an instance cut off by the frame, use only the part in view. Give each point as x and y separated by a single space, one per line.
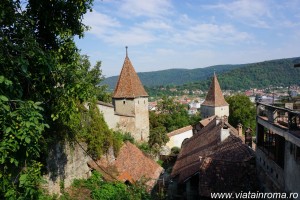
126 51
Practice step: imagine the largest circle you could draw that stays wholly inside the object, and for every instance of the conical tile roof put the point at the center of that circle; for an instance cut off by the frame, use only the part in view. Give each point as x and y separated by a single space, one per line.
129 84
214 96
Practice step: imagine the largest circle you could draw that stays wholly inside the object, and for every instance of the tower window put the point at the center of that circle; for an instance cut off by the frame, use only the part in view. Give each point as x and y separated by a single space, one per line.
124 102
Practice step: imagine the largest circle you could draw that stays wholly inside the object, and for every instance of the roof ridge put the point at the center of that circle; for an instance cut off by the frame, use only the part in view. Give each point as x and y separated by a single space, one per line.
129 84
214 95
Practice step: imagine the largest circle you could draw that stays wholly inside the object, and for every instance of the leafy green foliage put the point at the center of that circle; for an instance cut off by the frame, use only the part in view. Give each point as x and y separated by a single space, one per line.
97 134
171 115
44 84
241 110
112 190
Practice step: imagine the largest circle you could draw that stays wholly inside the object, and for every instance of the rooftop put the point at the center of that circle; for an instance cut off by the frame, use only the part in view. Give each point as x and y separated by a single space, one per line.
129 84
214 95
206 144
131 165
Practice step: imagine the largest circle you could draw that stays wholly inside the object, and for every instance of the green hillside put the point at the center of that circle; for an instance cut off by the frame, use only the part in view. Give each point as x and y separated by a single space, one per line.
279 72
256 75
174 76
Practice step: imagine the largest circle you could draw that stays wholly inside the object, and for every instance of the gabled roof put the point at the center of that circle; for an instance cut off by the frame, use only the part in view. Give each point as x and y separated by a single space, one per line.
206 121
129 84
180 130
214 96
131 165
207 144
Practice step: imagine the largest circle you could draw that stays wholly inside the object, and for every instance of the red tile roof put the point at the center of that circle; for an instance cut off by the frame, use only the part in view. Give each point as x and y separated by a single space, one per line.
133 161
214 96
131 165
129 84
206 121
207 144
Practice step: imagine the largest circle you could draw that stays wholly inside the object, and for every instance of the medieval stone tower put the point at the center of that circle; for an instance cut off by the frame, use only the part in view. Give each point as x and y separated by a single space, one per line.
214 103
130 102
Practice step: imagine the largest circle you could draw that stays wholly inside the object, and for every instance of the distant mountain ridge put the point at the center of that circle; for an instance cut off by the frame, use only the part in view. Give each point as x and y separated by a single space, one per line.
230 76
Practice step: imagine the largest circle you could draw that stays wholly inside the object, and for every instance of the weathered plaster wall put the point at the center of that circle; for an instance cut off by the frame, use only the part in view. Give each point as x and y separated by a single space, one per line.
271 176
292 169
124 106
65 163
129 115
111 119
208 111
141 119
176 140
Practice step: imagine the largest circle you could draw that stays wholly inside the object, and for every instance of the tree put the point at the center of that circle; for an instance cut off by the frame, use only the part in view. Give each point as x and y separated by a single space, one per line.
44 84
170 116
241 110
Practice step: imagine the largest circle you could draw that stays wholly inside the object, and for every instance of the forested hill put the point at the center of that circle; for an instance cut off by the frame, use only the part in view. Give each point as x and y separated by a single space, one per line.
235 77
257 75
175 76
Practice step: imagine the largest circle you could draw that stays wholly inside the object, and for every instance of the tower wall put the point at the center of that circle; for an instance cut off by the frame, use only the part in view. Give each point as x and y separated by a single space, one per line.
141 119
124 106
208 111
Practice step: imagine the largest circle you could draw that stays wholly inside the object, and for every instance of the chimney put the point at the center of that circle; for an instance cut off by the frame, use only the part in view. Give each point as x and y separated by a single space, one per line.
224 132
248 137
240 129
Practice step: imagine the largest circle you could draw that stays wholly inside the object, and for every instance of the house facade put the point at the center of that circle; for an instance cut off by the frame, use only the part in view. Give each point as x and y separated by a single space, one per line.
278 148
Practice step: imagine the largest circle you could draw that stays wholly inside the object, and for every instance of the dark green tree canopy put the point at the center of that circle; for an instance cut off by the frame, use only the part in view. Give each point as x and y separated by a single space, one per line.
44 86
241 110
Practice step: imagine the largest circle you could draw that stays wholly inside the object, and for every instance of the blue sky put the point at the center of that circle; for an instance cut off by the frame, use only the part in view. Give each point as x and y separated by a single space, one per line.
164 34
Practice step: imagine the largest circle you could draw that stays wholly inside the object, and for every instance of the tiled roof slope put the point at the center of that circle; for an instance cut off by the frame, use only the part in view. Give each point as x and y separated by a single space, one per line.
214 96
133 161
206 144
129 84
131 165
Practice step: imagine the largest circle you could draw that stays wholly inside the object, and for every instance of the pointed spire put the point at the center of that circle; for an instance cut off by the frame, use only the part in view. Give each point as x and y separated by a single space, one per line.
214 96
129 84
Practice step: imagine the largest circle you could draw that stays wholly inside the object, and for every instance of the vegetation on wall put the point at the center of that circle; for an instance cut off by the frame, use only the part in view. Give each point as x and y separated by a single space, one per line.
44 84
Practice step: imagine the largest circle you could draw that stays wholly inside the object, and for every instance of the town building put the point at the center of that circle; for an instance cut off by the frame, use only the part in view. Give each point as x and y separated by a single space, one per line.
213 160
129 109
278 148
214 103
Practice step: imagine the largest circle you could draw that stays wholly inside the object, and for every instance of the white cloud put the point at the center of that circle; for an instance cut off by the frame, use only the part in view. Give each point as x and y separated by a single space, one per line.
100 23
211 34
254 13
148 8
131 37
155 24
